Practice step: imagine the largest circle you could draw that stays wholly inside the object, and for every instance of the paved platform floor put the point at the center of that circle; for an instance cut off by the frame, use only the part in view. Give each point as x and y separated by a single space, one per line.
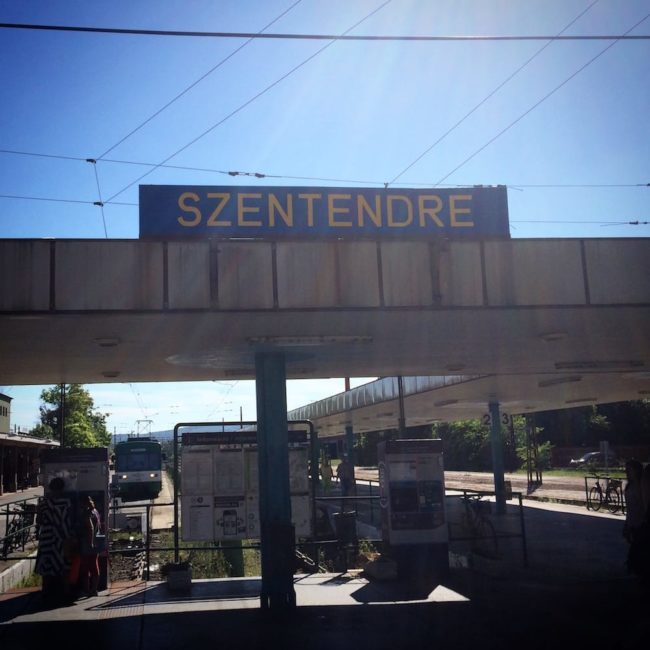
575 590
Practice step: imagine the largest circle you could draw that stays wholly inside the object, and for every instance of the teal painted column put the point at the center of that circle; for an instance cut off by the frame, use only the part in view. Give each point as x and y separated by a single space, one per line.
401 422
497 457
277 534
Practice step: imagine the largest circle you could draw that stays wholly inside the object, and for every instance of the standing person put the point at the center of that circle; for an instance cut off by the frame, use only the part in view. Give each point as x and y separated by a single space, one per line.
645 491
89 528
640 560
326 473
345 474
53 519
635 513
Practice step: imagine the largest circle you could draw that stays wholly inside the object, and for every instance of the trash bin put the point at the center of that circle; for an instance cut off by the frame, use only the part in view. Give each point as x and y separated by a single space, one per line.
345 524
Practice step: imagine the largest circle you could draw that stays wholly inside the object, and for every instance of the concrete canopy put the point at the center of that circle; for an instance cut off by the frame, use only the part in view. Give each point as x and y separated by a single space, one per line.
534 324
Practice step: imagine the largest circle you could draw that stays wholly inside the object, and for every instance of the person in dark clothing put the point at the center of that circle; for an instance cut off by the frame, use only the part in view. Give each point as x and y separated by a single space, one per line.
89 528
635 515
345 474
53 519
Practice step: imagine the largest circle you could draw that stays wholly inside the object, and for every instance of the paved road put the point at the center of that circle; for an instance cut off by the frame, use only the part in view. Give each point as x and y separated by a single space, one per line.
553 488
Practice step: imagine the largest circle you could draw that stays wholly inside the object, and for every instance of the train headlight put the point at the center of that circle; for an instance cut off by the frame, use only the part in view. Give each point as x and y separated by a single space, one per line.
124 476
153 475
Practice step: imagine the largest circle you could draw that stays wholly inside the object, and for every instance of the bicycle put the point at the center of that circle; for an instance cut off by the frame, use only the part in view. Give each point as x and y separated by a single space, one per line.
483 535
612 496
21 529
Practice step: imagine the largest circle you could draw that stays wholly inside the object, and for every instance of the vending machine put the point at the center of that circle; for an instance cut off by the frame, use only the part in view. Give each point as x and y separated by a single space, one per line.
412 499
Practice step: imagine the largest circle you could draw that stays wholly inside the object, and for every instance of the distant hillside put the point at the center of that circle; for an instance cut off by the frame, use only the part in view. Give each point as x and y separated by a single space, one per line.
168 434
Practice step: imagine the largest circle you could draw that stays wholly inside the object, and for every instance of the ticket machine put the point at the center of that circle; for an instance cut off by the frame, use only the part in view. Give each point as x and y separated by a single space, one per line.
85 474
412 499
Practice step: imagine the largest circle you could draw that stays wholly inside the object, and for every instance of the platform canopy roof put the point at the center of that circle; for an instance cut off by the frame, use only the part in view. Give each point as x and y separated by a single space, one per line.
533 324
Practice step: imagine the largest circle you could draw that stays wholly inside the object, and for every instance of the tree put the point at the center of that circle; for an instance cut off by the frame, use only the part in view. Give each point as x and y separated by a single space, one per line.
466 445
84 426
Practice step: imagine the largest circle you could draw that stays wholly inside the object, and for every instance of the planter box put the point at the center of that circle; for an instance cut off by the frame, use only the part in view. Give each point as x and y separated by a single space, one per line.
179 578
381 569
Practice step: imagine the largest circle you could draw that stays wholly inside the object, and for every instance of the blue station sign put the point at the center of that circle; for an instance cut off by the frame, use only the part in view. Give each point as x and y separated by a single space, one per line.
191 211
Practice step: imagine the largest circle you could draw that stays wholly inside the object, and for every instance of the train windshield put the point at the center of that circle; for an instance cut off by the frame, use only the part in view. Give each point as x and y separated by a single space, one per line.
136 461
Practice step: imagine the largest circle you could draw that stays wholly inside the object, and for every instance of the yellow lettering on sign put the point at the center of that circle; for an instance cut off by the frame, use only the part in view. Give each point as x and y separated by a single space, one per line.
286 215
425 211
454 210
333 210
390 216
223 197
243 209
188 223
364 207
310 198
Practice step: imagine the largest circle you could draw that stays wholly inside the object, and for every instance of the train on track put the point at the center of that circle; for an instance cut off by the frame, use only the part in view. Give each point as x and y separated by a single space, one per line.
138 469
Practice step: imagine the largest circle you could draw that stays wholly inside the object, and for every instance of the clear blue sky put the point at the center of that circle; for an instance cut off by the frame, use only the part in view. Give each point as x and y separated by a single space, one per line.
358 112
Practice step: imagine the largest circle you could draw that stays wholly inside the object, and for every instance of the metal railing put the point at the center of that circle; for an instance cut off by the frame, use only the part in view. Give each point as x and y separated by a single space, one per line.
499 527
19 527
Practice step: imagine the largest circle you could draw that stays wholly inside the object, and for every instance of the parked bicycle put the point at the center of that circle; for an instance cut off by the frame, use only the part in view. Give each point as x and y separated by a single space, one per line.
611 496
21 529
479 527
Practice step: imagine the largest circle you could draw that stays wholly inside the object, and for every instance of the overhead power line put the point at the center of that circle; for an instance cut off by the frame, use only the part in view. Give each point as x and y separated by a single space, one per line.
322 37
261 175
57 200
539 102
252 99
195 83
100 203
451 129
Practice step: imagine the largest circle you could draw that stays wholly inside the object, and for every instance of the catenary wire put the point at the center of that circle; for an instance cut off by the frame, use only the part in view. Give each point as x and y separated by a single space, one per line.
538 103
195 83
320 37
533 221
260 175
487 97
252 99
100 203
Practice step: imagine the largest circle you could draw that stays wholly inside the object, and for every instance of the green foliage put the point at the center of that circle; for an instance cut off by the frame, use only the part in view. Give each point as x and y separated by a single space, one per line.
83 425
466 445
209 564
205 563
365 446
543 460
32 580
44 431
625 422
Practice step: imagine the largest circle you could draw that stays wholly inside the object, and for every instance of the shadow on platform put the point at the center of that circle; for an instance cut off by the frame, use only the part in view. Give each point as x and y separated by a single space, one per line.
575 587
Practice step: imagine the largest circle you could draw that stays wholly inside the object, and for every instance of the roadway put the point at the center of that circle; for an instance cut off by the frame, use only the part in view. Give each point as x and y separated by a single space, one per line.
553 488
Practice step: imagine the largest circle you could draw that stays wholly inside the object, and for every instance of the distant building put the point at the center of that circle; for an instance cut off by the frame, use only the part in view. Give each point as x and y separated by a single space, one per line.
19 453
5 413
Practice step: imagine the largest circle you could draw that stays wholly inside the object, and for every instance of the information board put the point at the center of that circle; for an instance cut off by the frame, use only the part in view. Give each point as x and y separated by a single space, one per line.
220 486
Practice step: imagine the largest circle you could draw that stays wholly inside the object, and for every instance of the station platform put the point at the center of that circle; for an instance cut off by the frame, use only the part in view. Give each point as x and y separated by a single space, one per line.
575 589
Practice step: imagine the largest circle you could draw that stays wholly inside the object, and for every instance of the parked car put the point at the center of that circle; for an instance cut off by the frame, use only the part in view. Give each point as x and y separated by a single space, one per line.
596 459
